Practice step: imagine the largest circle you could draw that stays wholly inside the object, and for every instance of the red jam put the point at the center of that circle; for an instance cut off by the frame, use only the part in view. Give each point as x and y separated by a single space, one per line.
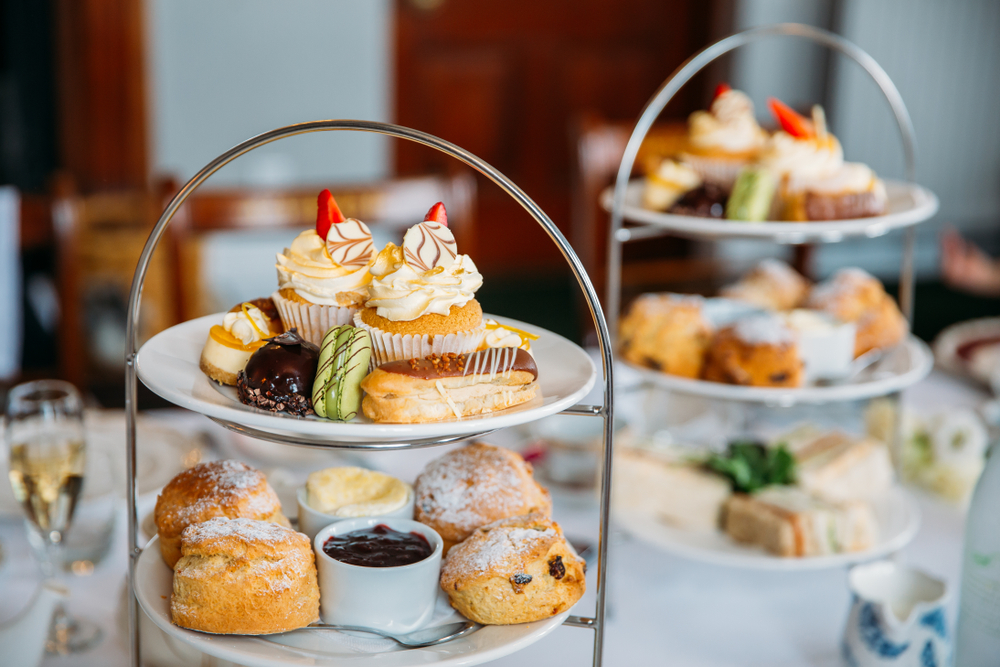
380 546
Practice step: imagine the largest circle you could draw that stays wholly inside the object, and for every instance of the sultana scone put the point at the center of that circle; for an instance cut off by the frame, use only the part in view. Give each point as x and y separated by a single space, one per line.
758 351
215 489
473 486
853 295
515 570
667 332
240 576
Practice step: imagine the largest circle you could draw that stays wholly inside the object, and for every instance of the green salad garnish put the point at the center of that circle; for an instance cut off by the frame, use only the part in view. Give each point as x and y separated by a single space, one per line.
750 466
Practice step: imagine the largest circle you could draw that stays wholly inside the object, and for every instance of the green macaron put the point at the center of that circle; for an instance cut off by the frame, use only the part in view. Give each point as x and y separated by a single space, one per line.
343 364
750 200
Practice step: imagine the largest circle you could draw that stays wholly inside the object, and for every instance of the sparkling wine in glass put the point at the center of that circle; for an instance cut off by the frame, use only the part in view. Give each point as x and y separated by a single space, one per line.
45 440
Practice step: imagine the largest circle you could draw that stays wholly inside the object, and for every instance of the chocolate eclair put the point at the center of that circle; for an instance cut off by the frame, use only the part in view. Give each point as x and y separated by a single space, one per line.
449 386
279 376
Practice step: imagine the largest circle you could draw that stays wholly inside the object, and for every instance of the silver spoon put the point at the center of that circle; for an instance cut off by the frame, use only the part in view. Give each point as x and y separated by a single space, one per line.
859 365
421 638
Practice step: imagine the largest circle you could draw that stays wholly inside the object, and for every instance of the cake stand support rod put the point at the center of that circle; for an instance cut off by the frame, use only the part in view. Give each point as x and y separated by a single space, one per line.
906 274
683 74
487 170
133 519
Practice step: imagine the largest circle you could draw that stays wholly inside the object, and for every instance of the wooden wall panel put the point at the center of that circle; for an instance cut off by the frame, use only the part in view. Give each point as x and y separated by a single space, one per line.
507 79
102 92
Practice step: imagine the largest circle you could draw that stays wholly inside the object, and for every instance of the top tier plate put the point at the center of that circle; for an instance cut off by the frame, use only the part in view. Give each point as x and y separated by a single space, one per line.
908 205
168 365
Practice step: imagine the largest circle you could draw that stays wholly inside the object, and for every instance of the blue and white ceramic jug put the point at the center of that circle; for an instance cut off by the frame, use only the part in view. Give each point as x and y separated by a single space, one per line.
897 618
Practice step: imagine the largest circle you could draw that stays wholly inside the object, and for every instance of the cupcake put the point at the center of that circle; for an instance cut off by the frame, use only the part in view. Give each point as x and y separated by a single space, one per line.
422 296
814 181
724 139
323 277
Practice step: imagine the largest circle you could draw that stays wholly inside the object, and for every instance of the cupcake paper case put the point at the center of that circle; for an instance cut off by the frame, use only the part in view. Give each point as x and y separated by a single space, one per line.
422 296
323 277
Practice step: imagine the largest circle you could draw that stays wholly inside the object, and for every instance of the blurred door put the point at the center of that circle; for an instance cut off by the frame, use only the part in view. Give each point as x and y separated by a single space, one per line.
505 79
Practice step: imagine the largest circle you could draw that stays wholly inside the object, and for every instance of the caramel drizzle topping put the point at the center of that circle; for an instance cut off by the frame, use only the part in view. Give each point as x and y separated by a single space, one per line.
428 246
350 243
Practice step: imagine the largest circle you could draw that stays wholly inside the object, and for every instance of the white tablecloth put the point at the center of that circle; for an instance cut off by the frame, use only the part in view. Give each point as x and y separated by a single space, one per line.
662 609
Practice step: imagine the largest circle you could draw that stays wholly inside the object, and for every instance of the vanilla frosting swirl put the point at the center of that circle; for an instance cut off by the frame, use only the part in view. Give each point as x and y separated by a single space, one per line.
808 158
239 325
729 126
401 293
307 268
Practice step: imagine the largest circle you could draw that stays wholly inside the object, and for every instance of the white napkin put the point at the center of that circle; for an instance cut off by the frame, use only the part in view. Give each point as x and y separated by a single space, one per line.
334 641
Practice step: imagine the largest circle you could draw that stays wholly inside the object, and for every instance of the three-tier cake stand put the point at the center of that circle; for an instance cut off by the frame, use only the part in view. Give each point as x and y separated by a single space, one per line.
161 364
909 204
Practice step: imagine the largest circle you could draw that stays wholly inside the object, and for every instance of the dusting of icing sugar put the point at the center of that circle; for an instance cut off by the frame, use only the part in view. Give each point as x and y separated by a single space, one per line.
764 329
667 301
228 482
779 272
841 284
461 487
502 549
247 530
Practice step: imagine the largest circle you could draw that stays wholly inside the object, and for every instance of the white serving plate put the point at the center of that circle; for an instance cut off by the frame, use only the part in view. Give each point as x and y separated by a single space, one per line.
154 583
902 366
897 513
908 204
168 365
948 341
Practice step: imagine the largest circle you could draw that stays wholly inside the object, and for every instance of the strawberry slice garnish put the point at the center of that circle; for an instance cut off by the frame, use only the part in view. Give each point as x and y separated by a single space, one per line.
327 214
720 89
791 122
437 214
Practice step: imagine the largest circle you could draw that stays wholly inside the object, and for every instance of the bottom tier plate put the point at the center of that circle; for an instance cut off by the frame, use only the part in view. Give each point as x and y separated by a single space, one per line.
154 582
896 511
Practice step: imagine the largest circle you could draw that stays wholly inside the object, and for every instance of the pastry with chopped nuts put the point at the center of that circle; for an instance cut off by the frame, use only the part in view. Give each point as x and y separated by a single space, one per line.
449 386
515 570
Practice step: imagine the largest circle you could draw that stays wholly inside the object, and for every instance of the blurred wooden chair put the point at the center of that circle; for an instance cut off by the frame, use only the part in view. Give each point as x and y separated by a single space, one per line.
99 238
391 204
659 263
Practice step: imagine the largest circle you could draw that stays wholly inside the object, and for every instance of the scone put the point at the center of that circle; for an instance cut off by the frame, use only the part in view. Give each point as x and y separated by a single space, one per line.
515 570
667 332
758 351
853 295
450 386
216 489
772 284
473 486
246 577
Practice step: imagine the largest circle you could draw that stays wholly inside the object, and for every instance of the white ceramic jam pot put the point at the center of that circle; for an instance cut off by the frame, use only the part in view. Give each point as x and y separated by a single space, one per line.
897 618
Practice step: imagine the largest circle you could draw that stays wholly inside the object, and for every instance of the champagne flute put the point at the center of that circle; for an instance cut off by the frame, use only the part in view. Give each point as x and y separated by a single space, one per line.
47 452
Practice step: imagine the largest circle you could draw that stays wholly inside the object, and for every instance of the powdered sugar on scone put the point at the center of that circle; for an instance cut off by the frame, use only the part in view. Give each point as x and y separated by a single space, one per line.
763 330
475 485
